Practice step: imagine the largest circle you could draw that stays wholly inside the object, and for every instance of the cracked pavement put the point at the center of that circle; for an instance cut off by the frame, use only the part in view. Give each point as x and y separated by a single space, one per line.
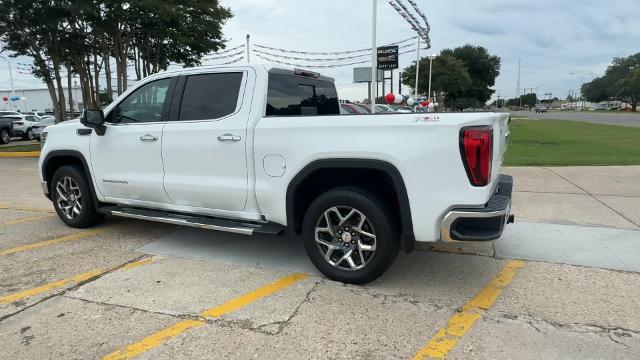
550 310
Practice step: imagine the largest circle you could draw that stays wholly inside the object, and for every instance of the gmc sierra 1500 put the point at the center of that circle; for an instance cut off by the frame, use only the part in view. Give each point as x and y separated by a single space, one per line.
252 149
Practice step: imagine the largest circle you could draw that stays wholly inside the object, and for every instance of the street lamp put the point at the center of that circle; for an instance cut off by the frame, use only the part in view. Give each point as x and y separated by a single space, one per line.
430 57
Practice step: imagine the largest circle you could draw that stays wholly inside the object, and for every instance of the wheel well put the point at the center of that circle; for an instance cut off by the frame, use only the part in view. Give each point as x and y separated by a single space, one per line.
377 177
54 163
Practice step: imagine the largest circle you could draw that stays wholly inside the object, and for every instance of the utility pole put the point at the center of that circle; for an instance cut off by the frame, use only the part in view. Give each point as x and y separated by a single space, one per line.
415 94
374 54
11 81
431 57
248 51
518 86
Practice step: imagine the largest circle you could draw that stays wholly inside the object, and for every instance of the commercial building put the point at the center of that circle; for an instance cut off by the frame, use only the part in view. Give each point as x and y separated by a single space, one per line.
38 99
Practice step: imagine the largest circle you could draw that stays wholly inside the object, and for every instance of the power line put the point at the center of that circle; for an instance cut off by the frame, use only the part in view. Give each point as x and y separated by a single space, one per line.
329 53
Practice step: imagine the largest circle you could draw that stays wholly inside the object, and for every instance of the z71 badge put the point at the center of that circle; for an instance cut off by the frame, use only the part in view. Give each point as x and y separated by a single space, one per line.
428 118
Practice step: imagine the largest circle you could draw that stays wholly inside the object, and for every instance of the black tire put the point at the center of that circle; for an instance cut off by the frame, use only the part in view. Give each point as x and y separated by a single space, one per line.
5 137
88 215
28 135
378 216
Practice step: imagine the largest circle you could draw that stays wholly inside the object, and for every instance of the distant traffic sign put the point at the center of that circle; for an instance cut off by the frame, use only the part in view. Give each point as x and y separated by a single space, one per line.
388 57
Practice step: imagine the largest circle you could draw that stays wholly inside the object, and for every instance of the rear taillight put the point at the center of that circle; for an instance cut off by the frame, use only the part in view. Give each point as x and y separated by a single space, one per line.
476 148
18 123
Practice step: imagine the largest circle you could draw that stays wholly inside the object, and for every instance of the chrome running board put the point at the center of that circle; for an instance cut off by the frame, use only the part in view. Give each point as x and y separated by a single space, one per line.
202 222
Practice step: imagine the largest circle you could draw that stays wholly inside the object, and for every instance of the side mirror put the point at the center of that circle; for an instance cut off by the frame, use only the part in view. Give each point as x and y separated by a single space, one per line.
94 119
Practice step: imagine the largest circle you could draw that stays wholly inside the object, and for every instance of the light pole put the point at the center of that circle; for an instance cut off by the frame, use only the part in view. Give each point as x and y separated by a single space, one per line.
374 58
431 57
582 76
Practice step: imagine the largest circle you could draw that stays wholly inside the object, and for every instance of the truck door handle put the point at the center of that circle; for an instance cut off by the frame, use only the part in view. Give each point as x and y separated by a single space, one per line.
229 137
148 137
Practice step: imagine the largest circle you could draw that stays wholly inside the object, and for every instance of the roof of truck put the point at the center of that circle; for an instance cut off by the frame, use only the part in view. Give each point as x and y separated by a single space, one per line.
267 67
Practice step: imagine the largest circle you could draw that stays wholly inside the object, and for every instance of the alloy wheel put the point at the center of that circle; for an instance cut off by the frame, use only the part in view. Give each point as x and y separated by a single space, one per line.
345 238
69 199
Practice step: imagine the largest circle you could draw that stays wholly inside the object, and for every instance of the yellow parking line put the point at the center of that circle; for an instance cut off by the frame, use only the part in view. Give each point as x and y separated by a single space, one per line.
72 280
460 323
19 154
76 236
23 208
174 330
25 219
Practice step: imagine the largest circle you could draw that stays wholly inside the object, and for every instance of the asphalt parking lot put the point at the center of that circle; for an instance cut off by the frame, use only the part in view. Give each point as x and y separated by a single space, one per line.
562 284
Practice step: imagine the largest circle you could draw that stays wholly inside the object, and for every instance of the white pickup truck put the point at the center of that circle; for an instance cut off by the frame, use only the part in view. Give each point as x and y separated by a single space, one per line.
252 149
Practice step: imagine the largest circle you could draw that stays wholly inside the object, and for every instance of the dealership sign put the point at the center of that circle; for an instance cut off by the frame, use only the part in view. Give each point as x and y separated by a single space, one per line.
388 57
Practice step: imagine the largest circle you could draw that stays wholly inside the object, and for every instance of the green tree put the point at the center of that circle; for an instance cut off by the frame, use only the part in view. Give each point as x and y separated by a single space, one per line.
84 35
449 75
32 28
621 81
483 70
529 100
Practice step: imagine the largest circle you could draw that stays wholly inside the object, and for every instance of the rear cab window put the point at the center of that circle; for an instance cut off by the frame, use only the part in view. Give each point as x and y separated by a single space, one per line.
210 96
294 95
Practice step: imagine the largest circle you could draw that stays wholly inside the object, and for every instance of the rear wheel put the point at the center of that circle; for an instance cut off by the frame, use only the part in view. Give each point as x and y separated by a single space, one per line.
350 235
72 199
28 135
5 138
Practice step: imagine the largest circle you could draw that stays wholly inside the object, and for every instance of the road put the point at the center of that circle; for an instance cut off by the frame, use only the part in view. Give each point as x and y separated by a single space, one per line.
131 288
597 117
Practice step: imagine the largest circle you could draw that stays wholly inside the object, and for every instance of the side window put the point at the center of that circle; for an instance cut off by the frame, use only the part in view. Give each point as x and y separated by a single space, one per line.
290 95
144 105
327 98
210 96
31 118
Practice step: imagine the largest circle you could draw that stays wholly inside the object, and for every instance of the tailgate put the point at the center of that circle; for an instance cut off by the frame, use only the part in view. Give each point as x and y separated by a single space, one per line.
500 142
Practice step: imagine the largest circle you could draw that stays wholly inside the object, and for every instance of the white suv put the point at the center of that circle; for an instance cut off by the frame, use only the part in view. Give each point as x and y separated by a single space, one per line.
22 125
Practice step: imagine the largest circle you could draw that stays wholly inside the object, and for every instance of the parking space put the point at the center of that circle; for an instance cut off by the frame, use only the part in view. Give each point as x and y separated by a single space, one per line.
153 291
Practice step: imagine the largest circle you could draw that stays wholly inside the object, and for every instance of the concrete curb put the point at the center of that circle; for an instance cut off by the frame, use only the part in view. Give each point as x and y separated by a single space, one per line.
19 154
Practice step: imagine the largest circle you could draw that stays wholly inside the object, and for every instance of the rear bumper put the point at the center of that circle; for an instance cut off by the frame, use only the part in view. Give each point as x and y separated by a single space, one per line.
480 224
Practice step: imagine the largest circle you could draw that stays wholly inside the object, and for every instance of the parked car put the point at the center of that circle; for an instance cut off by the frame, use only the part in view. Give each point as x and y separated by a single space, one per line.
22 125
352 109
41 125
541 110
248 149
379 108
6 113
6 130
39 114
401 108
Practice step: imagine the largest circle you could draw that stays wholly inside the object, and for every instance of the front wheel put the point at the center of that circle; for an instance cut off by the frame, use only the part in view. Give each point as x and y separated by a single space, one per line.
72 199
5 138
350 236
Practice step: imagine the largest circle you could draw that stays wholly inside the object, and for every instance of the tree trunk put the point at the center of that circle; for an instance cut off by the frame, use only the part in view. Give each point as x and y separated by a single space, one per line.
70 88
125 51
96 74
118 56
60 103
136 63
92 93
54 99
107 72
81 66
144 68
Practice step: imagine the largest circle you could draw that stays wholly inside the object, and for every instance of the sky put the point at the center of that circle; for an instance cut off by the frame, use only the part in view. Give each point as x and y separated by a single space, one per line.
560 43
